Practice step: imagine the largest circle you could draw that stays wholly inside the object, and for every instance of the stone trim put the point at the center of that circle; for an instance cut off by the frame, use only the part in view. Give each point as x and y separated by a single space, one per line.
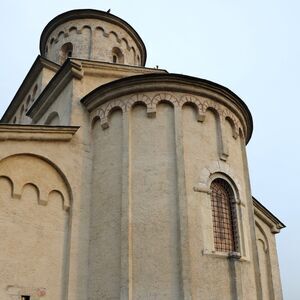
229 255
202 105
217 167
43 190
202 94
36 132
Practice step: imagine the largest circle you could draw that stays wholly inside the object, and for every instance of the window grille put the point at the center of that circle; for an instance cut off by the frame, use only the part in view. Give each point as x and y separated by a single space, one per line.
224 216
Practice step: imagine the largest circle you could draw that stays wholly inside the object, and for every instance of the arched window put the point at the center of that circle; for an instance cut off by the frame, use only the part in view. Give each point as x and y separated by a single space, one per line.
66 51
224 216
117 55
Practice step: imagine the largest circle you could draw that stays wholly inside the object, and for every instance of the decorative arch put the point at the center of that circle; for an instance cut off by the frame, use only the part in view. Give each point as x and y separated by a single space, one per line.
10 183
28 168
167 97
87 27
196 103
139 98
53 119
61 33
217 169
234 128
126 42
264 262
73 28
263 237
115 35
100 29
95 120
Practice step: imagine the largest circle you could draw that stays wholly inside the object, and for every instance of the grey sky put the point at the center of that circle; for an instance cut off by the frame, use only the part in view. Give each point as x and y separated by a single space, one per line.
251 47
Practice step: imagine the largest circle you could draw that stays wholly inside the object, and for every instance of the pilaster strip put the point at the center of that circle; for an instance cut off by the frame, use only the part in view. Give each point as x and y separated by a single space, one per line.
126 229
182 206
223 146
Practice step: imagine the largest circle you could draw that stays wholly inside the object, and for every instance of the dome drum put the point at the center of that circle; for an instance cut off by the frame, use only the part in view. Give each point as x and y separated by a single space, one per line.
93 35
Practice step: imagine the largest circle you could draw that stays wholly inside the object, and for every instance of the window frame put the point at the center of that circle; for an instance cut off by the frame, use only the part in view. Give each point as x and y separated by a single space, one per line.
209 248
224 217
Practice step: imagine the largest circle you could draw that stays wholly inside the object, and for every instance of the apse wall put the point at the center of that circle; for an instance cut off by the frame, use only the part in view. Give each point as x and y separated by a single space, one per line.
105 228
155 230
155 156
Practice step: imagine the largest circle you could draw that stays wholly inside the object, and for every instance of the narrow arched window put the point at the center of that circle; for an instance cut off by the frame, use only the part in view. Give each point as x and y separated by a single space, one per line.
224 216
66 51
117 55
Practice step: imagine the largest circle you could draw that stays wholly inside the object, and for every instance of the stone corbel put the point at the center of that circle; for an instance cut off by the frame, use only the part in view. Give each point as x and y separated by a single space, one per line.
200 116
104 123
275 229
151 112
234 255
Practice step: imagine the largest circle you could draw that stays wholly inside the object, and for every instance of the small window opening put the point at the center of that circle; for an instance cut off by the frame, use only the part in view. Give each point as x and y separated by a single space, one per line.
66 51
117 55
24 297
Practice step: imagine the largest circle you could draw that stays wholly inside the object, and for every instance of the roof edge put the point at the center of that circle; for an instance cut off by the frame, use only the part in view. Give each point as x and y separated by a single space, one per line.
270 216
36 67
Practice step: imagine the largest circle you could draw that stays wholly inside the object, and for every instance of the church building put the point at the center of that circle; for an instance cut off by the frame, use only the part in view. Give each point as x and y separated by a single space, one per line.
119 181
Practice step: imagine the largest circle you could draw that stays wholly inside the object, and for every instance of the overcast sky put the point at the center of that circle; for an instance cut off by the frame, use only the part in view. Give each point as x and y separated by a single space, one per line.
251 47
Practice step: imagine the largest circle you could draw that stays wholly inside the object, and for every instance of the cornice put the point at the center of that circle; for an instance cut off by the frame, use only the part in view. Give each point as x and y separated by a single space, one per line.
36 132
266 216
25 86
69 70
101 66
92 14
170 82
